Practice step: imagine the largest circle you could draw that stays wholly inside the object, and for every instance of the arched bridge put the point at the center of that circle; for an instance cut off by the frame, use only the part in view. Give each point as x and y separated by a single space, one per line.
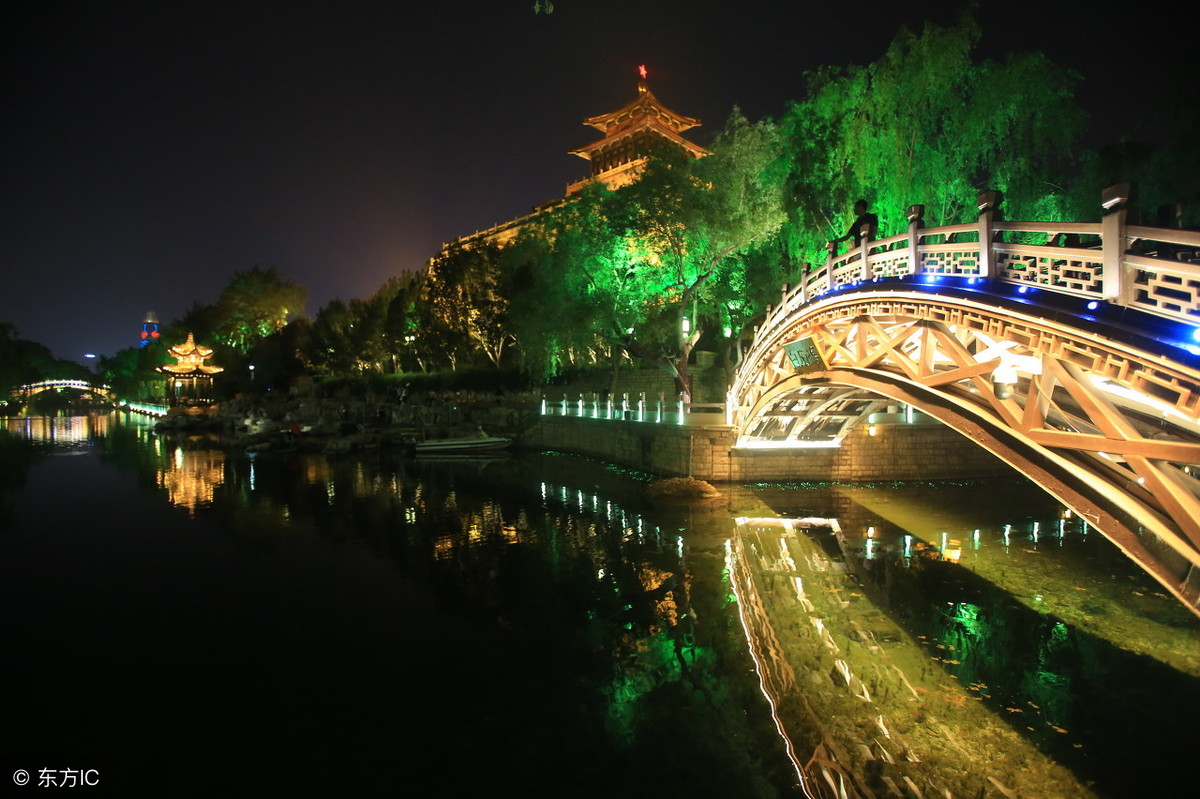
1067 350
55 384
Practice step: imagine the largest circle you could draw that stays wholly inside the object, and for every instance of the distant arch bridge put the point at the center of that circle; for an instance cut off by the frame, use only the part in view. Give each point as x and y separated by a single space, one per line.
31 389
1069 350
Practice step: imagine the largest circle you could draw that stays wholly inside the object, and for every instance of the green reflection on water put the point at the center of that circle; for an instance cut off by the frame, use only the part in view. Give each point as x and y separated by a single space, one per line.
557 574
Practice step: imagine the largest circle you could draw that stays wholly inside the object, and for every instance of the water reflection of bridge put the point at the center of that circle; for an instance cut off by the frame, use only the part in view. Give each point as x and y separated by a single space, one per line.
1069 350
911 667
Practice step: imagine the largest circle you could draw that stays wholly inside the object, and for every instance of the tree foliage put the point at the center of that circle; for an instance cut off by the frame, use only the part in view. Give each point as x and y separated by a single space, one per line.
623 269
926 124
132 372
467 300
695 249
23 361
254 304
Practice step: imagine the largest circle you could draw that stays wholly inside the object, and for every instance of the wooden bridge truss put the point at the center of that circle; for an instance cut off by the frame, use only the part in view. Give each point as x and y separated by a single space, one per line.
1112 431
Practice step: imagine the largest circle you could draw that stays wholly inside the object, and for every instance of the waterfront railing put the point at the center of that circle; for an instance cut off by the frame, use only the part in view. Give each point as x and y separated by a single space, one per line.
636 409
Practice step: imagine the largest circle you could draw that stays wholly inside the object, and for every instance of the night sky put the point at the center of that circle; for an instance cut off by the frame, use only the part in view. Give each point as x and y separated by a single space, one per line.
155 148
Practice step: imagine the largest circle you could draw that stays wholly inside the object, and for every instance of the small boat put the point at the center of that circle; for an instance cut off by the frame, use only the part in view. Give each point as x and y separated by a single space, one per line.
459 446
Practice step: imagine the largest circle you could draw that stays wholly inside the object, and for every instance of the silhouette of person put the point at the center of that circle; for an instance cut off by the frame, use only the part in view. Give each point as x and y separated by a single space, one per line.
855 233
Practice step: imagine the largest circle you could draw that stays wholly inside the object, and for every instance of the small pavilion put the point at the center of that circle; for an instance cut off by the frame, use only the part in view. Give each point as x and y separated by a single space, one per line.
189 382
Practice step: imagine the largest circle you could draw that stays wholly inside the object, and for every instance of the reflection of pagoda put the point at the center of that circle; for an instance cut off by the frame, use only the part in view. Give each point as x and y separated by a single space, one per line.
190 380
631 134
192 477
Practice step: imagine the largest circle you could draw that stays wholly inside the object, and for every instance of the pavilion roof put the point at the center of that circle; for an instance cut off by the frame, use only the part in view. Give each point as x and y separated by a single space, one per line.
190 357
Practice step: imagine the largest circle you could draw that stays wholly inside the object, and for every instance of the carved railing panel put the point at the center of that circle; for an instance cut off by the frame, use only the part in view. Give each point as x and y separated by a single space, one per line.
1154 270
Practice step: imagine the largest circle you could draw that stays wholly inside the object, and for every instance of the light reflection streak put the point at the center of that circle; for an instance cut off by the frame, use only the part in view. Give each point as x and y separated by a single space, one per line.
752 648
59 429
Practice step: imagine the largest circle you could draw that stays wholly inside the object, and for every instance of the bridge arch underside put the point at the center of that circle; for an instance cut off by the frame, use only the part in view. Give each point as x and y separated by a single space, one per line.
1111 432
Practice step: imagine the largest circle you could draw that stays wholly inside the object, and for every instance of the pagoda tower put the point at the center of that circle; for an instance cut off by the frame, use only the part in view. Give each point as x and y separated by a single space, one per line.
190 380
631 134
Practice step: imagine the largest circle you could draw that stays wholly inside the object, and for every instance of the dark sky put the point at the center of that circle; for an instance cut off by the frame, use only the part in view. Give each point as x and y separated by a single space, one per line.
152 149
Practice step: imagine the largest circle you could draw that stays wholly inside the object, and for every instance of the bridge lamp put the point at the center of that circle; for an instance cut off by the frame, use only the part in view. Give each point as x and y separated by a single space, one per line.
1093 305
1003 378
1196 334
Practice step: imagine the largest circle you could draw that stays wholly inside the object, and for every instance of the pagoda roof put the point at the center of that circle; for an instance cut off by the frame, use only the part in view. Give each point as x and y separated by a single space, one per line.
634 126
191 358
645 113
644 105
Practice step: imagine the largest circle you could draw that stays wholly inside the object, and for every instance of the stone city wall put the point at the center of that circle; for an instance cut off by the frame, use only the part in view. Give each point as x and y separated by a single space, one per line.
900 452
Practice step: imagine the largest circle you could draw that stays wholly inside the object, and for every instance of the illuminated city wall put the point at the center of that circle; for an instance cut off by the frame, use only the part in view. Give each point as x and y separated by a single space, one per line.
895 452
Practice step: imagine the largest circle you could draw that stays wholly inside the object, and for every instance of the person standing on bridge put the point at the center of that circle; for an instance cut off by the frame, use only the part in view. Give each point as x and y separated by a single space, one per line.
863 220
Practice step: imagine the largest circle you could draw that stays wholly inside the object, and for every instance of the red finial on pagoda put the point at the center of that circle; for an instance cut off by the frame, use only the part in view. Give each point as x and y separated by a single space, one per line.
642 71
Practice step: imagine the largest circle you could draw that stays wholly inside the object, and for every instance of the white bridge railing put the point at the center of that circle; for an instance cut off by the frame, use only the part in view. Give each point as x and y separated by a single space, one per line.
635 409
57 383
1156 270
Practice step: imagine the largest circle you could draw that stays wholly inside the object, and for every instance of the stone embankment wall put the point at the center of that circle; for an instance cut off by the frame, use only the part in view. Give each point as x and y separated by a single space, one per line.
901 452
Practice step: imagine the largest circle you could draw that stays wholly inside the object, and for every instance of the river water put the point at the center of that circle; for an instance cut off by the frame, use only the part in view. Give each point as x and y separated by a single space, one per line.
184 621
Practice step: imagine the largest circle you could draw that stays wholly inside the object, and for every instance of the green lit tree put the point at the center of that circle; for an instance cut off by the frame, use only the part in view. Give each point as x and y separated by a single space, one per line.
649 267
926 124
401 327
574 267
254 304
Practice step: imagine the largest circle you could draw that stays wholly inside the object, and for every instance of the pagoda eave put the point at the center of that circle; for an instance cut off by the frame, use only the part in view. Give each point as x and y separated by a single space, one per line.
203 371
693 149
645 104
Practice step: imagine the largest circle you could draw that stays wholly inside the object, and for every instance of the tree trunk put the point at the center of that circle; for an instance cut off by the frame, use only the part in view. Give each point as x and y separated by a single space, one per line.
683 382
614 373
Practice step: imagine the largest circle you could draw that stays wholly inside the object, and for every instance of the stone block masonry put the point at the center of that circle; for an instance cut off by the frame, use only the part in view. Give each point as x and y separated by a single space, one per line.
900 452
